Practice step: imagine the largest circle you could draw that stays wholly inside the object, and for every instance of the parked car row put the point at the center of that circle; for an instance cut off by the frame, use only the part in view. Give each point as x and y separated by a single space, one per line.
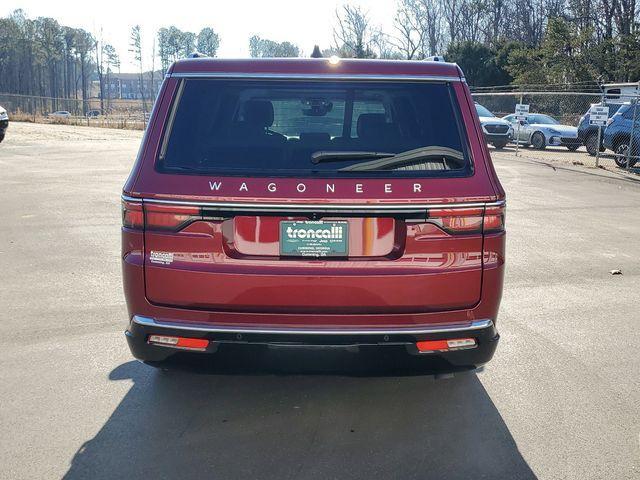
536 130
539 131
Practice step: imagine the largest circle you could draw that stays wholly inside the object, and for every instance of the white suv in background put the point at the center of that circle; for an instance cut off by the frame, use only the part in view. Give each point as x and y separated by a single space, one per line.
496 131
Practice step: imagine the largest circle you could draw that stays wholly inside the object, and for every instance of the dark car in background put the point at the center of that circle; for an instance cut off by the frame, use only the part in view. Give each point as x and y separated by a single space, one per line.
588 134
622 132
4 122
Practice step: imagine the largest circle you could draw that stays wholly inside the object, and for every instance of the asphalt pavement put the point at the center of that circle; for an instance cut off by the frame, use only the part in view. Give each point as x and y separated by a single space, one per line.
561 398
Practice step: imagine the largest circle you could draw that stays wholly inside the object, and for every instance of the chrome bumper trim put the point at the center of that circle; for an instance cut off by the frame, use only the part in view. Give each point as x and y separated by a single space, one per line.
476 325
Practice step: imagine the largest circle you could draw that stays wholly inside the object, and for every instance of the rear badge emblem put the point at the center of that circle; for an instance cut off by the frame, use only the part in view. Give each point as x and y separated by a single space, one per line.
163 258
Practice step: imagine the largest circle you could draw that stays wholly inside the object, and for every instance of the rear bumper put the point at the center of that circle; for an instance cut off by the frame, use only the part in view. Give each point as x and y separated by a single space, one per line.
483 331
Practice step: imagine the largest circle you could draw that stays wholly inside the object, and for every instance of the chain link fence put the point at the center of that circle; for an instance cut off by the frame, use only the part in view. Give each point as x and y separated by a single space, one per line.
110 113
558 129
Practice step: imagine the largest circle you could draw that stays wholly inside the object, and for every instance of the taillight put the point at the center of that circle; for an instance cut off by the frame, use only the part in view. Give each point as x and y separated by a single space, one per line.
494 219
468 220
158 217
457 220
132 215
169 217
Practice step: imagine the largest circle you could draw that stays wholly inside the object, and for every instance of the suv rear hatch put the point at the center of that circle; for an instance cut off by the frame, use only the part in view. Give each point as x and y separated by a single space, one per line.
319 197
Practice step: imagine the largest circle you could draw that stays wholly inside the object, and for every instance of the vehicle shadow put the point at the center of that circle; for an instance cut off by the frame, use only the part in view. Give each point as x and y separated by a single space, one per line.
301 414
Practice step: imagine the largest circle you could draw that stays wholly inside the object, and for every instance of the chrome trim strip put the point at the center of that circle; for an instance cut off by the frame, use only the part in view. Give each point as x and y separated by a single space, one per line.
150 322
127 198
317 76
318 207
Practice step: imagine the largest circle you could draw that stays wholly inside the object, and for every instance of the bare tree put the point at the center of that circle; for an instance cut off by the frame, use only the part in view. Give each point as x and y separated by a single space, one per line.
431 19
452 11
352 35
624 15
528 19
84 46
470 20
495 17
604 16
408 24
101 49
382 46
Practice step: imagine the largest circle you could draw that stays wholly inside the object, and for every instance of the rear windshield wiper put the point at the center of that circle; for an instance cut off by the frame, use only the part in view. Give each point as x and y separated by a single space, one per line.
410 156
340 155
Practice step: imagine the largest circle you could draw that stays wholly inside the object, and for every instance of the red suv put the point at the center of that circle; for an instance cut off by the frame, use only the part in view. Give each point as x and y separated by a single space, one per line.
313 202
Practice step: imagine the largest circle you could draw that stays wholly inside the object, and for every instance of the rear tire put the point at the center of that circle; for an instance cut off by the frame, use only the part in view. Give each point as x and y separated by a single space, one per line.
621 156
499 145
1 137
591 144
538 141
573 148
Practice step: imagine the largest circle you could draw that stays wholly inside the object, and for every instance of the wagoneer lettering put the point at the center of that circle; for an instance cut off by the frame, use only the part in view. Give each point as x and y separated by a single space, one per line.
306 202
301 187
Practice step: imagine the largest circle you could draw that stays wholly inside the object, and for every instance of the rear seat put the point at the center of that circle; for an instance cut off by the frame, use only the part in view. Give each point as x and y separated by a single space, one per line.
258 117
374 132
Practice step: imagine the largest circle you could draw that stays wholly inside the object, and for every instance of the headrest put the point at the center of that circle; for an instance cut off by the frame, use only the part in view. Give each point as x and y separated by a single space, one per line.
371 125
258 112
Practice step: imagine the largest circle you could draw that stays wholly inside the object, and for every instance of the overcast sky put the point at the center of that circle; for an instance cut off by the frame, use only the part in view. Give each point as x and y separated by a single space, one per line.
302 22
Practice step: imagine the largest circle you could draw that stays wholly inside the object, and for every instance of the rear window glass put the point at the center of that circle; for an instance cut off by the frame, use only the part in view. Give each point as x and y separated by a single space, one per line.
314 128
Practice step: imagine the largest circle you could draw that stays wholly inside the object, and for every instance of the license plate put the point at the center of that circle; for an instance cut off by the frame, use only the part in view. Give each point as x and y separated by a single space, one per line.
314 238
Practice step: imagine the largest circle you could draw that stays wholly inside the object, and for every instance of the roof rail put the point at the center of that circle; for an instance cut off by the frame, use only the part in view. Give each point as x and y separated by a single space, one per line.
197 55
435 58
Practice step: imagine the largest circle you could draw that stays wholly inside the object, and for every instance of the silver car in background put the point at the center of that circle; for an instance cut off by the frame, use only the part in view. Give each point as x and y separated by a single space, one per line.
60 114
540 131
496 131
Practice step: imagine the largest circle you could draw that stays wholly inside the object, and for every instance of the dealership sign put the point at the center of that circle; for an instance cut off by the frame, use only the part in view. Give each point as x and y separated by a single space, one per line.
522 110
598 115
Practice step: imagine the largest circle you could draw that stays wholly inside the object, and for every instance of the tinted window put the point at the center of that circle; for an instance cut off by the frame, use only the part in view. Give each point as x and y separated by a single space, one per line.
310 128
